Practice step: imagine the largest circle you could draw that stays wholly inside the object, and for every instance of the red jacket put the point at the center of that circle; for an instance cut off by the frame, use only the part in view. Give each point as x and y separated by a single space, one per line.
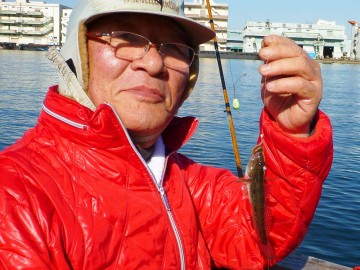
76 194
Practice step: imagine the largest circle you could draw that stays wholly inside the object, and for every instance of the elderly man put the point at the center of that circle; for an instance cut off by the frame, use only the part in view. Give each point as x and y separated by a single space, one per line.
98 182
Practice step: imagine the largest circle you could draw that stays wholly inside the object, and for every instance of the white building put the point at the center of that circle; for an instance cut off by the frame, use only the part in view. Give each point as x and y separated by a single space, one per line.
234 41
24 22
321 40
355 41
197 10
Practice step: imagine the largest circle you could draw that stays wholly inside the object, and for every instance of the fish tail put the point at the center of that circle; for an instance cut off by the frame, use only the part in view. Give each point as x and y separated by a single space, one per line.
268 252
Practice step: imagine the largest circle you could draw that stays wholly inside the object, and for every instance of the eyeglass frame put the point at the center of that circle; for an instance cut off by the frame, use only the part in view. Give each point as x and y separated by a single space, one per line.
97 36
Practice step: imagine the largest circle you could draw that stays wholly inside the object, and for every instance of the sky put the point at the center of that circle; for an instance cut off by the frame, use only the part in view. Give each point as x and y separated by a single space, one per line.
284 11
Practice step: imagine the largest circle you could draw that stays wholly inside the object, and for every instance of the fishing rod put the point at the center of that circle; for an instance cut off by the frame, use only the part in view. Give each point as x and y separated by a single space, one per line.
226 98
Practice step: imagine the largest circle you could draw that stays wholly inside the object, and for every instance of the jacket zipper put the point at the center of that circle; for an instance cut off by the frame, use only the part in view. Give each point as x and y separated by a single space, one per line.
162 193
170 215
160 187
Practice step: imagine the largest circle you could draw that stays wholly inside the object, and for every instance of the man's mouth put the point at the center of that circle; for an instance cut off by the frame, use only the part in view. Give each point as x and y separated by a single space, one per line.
146 93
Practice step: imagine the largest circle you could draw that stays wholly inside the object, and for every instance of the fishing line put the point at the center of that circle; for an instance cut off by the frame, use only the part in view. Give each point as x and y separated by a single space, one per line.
226 98
265 96
232 79
236 103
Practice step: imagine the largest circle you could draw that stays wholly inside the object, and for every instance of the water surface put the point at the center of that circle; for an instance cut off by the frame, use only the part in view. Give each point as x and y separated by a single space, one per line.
334 234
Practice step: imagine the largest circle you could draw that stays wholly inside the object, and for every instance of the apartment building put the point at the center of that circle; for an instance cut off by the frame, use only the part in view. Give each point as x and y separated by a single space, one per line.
197 10
23 22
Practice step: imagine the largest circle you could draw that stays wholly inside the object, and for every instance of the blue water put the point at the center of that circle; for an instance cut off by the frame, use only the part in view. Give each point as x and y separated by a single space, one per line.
334 234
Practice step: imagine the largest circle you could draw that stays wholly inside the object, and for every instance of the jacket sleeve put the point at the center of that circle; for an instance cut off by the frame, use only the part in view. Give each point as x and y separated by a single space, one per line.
23 242
296 169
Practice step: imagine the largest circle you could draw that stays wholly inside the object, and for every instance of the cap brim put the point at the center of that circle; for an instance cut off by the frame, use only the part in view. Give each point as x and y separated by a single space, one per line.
197 33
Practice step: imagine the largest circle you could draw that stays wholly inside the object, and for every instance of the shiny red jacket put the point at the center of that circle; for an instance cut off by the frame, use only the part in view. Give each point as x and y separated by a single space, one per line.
76 194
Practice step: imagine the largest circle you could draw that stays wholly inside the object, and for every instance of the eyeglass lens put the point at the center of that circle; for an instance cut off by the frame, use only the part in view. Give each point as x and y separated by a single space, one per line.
130 46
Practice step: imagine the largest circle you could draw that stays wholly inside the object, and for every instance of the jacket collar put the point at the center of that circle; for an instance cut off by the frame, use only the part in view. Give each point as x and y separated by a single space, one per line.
103 128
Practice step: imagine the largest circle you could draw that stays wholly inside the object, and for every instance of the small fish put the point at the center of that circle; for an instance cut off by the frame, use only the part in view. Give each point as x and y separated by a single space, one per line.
255 171
255 176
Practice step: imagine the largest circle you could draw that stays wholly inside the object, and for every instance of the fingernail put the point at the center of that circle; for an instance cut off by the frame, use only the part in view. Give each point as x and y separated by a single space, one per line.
265 68
265 54
270 85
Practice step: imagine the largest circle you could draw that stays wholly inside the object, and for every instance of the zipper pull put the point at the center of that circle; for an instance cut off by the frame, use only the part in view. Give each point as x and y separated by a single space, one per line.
165 199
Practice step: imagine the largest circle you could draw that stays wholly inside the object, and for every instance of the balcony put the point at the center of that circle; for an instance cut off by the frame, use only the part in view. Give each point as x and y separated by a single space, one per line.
38 33
7 12
21 22
7 22
10 32
221 40
34 14
37 23
13 13
314 35
196 16
25 32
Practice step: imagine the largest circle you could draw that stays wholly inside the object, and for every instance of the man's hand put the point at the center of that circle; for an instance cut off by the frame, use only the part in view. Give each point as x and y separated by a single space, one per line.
291 86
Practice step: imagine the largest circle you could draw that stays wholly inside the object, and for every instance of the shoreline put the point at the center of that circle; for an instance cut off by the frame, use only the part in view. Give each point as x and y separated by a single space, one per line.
223 55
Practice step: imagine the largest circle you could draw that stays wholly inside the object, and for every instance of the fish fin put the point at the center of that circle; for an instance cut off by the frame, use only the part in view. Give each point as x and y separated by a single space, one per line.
266 248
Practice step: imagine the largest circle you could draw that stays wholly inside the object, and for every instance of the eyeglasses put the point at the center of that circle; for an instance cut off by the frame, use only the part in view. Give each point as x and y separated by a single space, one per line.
131 46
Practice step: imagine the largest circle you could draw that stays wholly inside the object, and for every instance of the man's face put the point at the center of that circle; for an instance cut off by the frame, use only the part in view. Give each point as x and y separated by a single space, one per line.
144 92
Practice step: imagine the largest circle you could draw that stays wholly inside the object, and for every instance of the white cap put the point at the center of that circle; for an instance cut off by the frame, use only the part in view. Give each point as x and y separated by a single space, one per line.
74 50
89 10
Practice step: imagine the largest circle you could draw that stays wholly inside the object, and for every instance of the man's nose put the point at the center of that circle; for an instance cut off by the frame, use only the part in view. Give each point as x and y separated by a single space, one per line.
152 61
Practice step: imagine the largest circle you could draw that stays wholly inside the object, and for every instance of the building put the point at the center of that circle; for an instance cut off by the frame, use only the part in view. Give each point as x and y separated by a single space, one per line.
234 41
64 23
321 40
197 10
23 22
355 40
